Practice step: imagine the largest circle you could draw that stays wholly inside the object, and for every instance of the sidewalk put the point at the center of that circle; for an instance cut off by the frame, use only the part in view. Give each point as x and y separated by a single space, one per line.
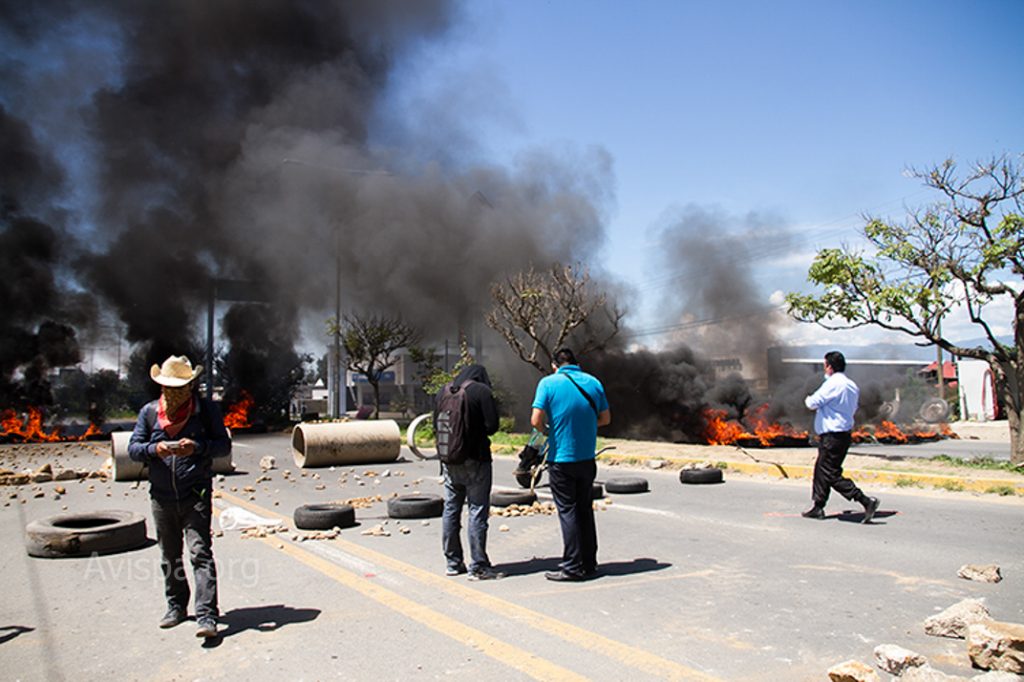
798 463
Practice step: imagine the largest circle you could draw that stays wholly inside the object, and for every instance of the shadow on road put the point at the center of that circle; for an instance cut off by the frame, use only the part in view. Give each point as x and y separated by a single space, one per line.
9 632
858 517
542 564
261 619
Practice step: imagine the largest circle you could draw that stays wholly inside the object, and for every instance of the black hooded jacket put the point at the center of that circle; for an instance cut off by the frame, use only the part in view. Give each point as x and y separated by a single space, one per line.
483 410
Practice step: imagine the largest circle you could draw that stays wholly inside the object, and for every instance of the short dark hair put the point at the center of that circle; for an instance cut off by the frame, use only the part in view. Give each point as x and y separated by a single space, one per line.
836 361
564 356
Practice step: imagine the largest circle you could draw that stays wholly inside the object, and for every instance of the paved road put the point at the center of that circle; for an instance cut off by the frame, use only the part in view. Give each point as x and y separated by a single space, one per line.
698 582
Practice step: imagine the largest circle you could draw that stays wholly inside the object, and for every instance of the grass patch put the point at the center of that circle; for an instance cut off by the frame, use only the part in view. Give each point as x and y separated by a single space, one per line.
1004 490
906 482
952 486
722 465
986 463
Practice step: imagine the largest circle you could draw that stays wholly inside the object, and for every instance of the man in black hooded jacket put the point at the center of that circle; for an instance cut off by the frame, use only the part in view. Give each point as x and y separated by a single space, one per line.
471 480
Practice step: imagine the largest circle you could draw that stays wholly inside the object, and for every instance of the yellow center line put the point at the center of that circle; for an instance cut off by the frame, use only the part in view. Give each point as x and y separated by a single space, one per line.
512 656
586 639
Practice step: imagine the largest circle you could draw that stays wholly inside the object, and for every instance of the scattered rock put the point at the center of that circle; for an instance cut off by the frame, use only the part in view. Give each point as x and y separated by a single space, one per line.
404 530
320 486
41 477
698 465
928 674
60 490
249 489
993 645
983 573
377 531
39 493
852 671
895 659
656 464
535 509
268 462
503 528
996 676
66 475
45 469
953 621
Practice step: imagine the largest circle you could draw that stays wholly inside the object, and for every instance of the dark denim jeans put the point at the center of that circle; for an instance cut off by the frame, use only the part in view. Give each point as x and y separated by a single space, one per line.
187 520
466 482
572 487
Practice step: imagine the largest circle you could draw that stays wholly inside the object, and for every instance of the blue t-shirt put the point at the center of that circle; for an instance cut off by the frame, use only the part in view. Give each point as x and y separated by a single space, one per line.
572 423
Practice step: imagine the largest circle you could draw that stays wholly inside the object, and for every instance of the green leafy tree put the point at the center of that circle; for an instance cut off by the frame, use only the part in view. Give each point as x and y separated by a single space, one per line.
965 252
371 343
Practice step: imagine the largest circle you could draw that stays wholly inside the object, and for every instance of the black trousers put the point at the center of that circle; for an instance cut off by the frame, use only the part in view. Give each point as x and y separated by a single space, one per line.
572 487
176 522
828 469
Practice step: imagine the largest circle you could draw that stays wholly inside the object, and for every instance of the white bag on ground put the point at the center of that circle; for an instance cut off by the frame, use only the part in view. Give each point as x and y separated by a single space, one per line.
236 518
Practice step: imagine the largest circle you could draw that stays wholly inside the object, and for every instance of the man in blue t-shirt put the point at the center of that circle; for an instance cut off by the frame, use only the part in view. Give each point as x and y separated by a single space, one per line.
571 404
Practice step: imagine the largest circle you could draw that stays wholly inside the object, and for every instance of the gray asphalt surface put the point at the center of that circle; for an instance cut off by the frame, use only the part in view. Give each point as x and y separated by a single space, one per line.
697 582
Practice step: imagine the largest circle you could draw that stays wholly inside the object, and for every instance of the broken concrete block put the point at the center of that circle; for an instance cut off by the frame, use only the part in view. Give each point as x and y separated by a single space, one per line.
953 621
268 462
895 659
852 671
996 646
983 573
66 475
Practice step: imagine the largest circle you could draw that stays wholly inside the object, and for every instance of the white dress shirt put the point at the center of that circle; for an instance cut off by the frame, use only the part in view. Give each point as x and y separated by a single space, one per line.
835 403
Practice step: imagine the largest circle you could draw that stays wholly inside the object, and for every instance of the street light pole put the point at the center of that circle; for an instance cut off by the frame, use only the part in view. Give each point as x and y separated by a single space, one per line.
338 402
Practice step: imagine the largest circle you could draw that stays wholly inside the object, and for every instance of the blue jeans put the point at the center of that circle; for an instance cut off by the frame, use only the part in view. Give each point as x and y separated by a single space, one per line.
466 482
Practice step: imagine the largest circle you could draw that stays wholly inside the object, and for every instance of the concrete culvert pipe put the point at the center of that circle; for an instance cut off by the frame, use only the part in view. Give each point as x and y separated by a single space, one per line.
127 469
358 442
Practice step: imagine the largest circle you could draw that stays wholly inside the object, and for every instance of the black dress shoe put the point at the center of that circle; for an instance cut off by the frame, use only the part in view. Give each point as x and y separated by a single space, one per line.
171 618
814 512
870 507
564 577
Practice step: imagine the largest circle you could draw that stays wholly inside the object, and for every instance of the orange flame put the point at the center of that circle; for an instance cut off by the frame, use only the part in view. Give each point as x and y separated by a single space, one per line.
28 429
720 431
237 416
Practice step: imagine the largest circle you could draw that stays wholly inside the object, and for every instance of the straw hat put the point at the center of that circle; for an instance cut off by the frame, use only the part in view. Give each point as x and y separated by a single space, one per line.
176 371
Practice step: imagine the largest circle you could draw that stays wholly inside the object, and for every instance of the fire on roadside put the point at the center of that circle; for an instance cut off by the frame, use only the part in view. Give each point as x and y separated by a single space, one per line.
237 414
29 428
760 432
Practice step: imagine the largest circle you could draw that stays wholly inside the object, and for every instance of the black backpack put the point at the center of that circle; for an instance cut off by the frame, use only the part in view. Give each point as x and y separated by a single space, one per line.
453 440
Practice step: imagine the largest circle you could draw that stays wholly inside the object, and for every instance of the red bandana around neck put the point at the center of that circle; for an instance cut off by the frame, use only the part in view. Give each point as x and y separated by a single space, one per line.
173 424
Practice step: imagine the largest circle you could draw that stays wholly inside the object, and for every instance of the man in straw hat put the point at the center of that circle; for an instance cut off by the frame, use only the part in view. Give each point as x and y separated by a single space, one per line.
177 436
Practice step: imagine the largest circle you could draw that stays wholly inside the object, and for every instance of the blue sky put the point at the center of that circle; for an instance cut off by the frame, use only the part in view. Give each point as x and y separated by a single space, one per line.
805 112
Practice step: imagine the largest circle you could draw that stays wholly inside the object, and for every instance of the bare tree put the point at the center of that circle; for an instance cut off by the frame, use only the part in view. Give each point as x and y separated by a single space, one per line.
965 252
538 312
371 342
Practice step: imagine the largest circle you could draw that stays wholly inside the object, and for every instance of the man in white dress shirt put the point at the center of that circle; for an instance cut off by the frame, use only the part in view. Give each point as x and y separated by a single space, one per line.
835 403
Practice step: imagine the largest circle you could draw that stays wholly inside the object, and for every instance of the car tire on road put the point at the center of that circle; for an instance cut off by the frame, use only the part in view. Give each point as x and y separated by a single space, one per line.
626 485
504 498
597 492
700 476
324 516
415 506
85 534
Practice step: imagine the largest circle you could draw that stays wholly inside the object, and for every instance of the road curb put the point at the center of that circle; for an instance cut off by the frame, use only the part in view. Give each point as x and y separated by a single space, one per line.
799 471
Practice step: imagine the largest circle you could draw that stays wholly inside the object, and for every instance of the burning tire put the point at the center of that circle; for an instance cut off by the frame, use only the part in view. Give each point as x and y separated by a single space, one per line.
415 506
79 535
701 476
504 498
627 485
935 411
324 516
